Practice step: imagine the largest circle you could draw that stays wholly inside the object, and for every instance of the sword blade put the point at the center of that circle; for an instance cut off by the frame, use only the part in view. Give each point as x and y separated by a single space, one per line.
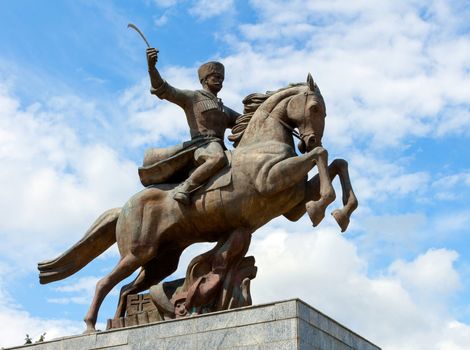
133 26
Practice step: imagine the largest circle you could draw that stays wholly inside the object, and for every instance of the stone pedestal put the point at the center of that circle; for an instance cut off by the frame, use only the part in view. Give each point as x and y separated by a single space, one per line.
285 325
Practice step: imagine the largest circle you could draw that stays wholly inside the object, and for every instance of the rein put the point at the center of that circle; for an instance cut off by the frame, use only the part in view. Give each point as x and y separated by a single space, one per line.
294 132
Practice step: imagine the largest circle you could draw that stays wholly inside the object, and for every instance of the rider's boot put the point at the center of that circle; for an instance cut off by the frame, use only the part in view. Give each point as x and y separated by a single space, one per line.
183 192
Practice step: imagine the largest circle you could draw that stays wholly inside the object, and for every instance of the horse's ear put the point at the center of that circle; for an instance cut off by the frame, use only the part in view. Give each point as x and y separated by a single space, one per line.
311 84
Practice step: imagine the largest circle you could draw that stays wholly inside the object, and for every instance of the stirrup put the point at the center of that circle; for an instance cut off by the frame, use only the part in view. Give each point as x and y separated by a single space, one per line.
182 197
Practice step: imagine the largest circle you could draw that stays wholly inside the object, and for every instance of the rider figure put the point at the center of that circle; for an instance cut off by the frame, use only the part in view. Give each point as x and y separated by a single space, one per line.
207 117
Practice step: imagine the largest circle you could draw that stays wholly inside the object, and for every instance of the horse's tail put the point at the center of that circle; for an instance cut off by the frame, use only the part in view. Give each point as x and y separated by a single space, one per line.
99 237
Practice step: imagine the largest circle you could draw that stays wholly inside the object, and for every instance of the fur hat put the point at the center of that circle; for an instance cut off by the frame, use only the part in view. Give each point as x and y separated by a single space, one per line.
210 68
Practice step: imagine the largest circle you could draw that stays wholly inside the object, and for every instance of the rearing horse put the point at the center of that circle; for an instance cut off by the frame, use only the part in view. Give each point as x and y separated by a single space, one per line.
268 180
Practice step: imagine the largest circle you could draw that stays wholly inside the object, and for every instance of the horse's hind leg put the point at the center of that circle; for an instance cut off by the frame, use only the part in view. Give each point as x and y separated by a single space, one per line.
131 288
126 266
152 273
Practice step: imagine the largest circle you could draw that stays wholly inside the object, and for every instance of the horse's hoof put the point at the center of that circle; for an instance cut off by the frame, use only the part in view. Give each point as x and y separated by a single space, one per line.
315 213
89 331
341 219
90 327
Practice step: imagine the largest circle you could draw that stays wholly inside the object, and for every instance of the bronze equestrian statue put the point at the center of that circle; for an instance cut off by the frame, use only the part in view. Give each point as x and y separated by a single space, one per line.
262 178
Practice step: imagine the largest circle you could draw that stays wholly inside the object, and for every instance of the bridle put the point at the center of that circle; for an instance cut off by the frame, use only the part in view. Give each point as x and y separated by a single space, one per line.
294 132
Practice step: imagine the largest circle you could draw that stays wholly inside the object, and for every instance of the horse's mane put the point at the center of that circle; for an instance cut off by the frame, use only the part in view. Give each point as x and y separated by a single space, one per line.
251 104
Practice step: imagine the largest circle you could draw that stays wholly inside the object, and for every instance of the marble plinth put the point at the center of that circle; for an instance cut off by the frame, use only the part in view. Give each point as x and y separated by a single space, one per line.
285 325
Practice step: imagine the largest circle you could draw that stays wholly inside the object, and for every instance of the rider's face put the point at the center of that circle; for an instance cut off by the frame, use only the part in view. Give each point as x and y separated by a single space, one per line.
214 82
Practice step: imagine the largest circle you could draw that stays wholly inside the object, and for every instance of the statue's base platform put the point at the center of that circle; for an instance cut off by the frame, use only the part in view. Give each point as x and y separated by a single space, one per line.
285 325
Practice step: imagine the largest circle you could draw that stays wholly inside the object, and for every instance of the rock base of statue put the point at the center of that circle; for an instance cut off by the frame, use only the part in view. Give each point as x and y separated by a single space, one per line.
285 325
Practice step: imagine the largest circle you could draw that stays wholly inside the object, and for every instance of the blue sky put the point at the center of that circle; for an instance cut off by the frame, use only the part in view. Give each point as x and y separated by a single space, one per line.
76 117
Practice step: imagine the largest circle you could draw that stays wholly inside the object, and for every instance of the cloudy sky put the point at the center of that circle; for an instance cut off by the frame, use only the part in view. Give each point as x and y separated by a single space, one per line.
76 116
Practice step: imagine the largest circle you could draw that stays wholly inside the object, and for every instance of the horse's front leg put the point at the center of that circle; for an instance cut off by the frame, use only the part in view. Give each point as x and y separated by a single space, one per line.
316 207
290 171
350 202
338 167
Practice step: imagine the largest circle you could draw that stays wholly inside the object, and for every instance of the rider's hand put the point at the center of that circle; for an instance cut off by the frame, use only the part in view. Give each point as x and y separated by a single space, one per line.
152 57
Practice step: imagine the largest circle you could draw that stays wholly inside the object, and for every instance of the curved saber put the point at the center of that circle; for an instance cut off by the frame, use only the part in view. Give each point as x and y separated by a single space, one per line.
133 26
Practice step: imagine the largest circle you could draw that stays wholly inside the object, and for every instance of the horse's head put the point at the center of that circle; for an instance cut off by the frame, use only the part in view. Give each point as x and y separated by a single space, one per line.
307 112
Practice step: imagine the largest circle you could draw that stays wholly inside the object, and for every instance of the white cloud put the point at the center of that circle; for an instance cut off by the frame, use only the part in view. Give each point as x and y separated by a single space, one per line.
429 275
81 300
383 67
54 184
325 270
205 9
16 322
374 179
383 235
387 76
154 121
449 223
84 284
20 323
452 187
456 336
56 181
268 31
161 21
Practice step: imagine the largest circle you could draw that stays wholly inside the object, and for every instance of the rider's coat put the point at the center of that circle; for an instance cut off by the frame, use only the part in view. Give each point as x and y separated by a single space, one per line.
205 113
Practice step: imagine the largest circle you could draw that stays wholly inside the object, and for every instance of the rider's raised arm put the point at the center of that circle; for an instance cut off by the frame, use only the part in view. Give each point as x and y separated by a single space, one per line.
160 87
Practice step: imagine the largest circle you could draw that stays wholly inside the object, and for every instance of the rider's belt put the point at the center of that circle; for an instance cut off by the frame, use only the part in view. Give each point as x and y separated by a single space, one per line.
206 136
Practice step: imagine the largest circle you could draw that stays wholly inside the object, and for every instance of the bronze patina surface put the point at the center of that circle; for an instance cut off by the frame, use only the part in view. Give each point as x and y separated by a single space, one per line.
202 197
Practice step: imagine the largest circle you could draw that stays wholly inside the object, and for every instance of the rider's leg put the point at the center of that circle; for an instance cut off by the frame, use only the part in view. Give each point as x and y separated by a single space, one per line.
210 159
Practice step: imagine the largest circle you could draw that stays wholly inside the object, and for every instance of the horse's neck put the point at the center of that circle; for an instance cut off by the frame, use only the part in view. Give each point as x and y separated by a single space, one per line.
265 126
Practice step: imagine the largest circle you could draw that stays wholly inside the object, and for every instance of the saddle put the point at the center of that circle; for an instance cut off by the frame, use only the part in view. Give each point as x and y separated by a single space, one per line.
174 164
